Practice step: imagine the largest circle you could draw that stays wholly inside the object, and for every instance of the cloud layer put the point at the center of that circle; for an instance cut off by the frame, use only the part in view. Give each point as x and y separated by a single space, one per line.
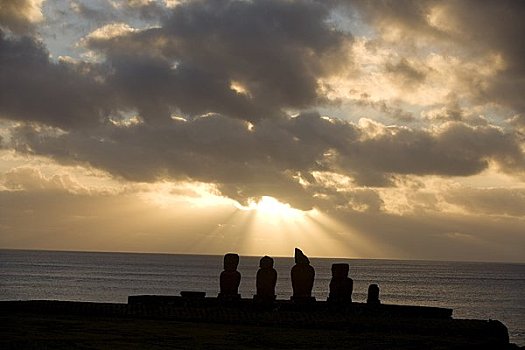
349 107
276 157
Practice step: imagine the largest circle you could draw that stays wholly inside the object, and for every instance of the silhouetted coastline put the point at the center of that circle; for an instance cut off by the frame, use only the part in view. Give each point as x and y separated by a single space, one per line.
180 305
180 322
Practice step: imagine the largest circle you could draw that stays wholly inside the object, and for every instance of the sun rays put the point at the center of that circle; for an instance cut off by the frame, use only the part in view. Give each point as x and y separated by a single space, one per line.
264 225
269 226
195 218
272 209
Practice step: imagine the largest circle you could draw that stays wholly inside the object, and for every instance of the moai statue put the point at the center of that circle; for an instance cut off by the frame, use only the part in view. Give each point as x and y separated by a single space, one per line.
341 285
230 277
266 280
373 295
302 277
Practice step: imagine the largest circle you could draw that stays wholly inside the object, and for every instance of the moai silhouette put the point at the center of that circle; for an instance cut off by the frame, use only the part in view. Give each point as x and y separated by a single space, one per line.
302 277
266 279
373 295
230 277
341 285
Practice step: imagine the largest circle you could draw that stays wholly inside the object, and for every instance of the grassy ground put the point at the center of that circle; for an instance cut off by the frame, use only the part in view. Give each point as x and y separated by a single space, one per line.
41 331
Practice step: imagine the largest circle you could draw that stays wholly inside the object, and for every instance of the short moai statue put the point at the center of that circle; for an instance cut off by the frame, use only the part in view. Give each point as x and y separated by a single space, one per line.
266 280
230 277
302 277
373 295
341 285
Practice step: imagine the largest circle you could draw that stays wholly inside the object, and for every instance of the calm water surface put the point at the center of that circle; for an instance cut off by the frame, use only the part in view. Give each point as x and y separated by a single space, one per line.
473 290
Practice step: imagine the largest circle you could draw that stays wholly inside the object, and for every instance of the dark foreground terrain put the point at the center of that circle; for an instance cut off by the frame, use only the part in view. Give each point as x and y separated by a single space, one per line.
86 326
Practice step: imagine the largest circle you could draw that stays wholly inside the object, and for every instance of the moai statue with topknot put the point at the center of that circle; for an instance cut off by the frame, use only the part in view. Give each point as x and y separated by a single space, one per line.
302 277
341 285
230 278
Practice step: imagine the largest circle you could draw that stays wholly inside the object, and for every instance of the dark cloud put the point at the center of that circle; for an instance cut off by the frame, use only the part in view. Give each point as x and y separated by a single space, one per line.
329 198
385 107
19 16
270 157
32 88
213 149
454 150
405 74
497 27
157 90
451 112
276 50
477 28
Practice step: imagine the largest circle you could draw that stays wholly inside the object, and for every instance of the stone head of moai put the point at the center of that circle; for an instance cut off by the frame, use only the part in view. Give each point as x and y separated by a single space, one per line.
340 271
300 258
266 262
231 261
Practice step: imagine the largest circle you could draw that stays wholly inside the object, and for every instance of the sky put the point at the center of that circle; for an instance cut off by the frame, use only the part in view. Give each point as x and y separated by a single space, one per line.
357 129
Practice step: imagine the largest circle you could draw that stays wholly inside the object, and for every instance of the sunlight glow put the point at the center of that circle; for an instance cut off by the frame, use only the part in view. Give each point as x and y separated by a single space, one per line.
239 88
272 226
272 208
174 194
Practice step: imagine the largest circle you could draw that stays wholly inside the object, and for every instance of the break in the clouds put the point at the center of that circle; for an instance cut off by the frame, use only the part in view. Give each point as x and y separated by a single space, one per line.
347 107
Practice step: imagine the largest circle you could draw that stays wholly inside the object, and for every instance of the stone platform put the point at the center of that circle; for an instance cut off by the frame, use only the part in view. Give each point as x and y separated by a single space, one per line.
422 325
313 307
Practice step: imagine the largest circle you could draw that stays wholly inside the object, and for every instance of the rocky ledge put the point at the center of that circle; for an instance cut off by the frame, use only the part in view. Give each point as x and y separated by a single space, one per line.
355 325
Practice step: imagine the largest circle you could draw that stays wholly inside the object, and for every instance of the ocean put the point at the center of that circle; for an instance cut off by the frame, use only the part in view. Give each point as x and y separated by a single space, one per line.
472 289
